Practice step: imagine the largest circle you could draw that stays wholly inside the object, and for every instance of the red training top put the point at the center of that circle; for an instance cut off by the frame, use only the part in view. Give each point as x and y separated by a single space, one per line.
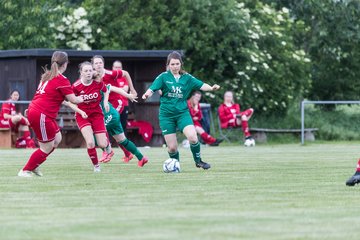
195 113
90 94
227 113
112 79
7 108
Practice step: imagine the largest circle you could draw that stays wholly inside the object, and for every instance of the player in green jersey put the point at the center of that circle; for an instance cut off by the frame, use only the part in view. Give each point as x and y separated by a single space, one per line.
176 85
114 128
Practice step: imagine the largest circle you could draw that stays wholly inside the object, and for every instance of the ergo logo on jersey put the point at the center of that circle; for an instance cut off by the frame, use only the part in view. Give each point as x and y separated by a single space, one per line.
90 96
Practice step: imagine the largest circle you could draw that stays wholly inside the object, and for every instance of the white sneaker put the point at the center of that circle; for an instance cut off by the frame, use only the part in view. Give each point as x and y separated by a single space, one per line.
25 173
37 172
97 168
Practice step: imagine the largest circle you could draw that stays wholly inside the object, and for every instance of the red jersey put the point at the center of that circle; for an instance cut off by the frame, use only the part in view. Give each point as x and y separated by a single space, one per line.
227 113
50 95
113 79
122 83
195 113
7 108
90 94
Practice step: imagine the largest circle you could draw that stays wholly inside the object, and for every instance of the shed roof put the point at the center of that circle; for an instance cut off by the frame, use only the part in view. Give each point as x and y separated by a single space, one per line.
40 52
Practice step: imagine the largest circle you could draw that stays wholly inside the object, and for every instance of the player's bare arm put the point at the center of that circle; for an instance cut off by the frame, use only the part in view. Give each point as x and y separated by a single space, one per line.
75 108
106 101
130 83
132 97
74 99
207 88
147 94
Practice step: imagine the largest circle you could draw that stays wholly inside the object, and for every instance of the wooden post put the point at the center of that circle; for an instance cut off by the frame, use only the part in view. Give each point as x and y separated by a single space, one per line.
5 138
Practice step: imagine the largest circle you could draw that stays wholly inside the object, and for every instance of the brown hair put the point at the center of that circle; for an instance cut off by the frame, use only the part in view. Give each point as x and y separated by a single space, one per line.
58 59
193 94
175 55
117 61
81 65
97 56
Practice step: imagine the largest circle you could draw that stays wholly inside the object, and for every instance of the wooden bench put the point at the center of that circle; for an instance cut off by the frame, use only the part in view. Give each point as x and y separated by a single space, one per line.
7 138
71 135
259 134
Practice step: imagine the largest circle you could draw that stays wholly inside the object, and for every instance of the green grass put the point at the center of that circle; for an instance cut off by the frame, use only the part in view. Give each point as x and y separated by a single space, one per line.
266 192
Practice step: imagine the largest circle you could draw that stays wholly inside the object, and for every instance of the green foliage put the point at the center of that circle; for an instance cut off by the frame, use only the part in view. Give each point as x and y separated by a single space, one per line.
25 24
333 42
245 49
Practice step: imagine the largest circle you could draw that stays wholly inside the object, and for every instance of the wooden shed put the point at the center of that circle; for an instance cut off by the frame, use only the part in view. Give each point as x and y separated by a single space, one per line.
21 70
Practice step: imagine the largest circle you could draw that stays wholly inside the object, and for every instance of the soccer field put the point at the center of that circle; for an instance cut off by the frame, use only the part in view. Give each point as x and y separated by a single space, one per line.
266 192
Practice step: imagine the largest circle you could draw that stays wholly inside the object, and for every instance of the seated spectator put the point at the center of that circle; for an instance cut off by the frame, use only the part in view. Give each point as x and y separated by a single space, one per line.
195 112
10 118
230 115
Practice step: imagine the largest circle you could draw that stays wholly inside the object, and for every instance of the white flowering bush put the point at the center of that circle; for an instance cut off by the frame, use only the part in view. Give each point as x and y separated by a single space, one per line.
266 70
244 46
74 30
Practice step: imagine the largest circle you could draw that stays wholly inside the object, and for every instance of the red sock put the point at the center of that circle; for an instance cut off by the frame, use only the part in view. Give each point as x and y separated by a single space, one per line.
245 128
23 121
93 155
358 166
36 159
27 137
126 152
207 138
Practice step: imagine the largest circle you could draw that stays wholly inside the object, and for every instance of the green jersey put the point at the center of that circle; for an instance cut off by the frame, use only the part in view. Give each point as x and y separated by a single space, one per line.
112 112
175 92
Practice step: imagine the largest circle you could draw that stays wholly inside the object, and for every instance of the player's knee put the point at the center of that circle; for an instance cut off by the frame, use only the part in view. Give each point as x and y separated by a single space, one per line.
193 138
172 148
90 144
244 118
57 140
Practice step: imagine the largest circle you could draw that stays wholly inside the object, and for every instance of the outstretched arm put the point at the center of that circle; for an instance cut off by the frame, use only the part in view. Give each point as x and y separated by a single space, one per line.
106 101
207 88
75 108
74 99
132 97
130 83
147 94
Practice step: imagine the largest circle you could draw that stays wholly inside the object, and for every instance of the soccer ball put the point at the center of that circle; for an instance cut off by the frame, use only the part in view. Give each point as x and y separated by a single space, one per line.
249 142
171 165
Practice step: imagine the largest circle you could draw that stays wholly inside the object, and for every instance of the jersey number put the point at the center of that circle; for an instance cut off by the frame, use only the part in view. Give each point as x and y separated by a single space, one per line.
41 88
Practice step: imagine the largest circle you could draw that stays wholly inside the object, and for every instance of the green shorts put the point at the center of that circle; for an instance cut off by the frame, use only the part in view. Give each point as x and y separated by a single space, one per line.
113 124
169 124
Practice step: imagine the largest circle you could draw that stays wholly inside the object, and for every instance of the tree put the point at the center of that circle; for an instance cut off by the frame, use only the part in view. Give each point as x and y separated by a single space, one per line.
25 24
332 43
247 48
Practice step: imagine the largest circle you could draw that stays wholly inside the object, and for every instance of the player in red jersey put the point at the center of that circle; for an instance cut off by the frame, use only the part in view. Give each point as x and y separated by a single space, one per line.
94 124
51 92
230 115
196 115
10 118
119 102
111 77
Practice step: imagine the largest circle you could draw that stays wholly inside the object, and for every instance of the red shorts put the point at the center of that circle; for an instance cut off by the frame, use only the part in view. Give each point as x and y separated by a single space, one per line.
45 128
95 120
197 123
